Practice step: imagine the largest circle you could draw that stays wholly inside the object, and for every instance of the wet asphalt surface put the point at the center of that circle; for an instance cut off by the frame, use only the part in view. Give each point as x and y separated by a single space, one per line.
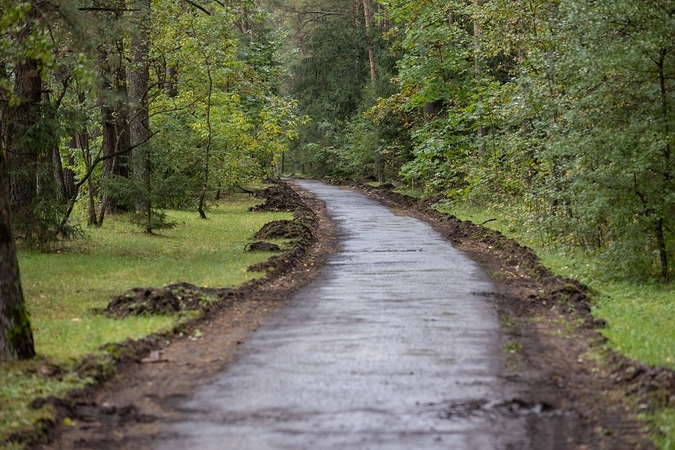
394 346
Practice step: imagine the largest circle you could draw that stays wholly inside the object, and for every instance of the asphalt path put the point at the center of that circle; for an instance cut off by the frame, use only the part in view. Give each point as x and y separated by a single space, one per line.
394 346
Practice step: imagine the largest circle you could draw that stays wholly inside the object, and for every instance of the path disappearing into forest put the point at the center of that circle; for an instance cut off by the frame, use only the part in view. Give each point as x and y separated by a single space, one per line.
394 346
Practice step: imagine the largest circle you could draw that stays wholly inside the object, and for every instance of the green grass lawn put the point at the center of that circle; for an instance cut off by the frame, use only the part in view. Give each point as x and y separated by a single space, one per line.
64 288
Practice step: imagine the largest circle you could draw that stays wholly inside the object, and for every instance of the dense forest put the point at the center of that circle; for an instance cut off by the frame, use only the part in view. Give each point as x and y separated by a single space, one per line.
128 106
562 110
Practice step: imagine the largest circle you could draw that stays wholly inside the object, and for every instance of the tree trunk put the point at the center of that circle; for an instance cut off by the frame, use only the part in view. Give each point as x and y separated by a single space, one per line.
23 154
23 150
139 132
113 105
482 132
59 178
209 138
16 336
371 57
4 97
663 251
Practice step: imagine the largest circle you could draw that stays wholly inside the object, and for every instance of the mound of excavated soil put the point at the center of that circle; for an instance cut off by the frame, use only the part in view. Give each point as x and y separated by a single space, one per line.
284 229
278 197
167 300
302 229
262 247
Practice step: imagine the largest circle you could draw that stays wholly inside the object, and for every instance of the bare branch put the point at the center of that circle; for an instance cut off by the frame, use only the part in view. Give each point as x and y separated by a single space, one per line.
92 8
201 8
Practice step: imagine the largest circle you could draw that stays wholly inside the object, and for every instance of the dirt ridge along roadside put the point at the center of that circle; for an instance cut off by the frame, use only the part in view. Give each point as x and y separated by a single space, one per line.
151 373
552 345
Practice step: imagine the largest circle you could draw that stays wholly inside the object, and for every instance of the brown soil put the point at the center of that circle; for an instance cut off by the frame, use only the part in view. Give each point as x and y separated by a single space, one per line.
262 247
548 337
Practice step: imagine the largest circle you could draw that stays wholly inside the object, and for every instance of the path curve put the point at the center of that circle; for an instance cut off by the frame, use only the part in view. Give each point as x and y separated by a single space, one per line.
394 346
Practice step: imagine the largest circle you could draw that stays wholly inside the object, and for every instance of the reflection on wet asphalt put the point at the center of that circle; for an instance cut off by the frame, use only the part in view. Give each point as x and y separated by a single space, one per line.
375 354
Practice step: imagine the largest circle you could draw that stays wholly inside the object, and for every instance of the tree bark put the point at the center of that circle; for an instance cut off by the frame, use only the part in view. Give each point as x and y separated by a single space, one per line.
139 131
113 105
371 57
16 336
23 150
209 138
23 154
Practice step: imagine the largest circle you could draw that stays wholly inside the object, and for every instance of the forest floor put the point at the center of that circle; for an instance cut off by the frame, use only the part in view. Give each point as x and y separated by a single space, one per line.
552 346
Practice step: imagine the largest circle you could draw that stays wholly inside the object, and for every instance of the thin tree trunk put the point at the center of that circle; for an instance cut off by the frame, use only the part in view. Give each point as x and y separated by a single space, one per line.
16 337
371 57
112 102
209 138
4 97
482 132
59 178
663 251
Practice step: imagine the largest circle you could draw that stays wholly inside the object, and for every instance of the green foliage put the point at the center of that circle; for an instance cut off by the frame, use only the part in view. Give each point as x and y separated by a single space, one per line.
248 127
562 110
334 86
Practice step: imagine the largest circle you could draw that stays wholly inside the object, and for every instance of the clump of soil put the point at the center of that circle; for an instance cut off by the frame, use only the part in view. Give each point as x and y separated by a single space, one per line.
262 247
301 229
285 229
167 300
278 197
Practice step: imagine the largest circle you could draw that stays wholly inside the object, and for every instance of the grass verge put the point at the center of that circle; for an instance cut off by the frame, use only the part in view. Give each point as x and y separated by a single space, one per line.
640 317
64 289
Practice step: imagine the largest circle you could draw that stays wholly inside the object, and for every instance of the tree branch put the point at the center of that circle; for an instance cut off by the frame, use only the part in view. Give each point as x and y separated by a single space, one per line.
92 8
201 8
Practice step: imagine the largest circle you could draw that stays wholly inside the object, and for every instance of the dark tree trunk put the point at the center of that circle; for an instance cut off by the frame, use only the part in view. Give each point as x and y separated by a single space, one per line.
16 337
139 132
113 105
23 155
367 12
59 176
663 251
4 97
22 147
209 139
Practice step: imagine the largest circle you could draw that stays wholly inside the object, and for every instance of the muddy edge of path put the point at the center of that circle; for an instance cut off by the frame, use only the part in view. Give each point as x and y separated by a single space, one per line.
553 350
545 357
